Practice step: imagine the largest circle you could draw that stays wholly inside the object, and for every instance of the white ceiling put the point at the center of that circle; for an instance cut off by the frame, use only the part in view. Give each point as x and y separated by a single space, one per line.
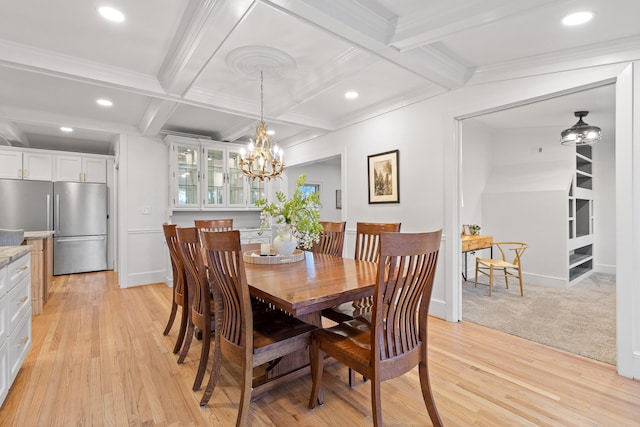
174 65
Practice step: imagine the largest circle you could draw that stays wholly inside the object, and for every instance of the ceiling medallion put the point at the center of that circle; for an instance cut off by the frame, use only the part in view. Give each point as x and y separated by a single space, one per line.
252 60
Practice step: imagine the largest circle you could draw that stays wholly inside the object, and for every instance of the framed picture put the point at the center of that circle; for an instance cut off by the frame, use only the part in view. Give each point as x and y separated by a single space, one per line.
467 230
338 199
384 182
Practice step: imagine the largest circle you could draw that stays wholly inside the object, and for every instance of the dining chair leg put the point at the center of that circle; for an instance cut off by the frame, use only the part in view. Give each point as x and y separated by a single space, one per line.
215 374
521 288
172 316
317 368
187 343
352 378
475 284
204 358
506 277
427 393
490 279
376 404
245 397
184 319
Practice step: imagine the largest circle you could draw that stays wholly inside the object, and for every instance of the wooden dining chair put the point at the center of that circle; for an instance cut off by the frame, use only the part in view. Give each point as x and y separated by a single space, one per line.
200 316
244 338
367 249
180 290
331 238
512 268
213 225
395 340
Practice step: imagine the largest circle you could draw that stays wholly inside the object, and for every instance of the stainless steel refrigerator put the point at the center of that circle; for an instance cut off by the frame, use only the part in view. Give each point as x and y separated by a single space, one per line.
80 224
26 205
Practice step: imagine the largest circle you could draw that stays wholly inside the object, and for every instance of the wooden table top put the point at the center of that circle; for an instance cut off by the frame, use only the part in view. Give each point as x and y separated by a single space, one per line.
317 282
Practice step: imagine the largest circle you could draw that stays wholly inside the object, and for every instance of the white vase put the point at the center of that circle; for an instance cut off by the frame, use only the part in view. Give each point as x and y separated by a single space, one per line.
285 242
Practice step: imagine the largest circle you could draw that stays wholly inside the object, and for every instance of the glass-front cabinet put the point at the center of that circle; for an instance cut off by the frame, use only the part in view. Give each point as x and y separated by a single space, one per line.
207 175
187 176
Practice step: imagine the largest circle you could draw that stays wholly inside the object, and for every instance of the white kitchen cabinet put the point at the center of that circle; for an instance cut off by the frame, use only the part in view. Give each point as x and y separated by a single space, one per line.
15 319
27 165
207 176
81 168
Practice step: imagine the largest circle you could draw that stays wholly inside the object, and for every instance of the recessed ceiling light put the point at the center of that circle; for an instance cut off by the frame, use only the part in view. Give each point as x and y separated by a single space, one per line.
104 102
111 14
66 129
352 94
271 132
577 18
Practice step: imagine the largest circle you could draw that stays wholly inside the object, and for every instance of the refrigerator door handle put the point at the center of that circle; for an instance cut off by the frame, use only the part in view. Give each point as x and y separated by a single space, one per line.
57 213
79 239
48 212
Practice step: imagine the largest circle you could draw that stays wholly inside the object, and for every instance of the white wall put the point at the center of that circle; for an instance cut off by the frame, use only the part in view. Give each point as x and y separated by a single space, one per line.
143 183
327 174
477 161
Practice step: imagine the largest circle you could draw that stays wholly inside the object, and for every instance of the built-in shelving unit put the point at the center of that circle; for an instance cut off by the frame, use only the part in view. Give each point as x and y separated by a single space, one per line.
581 230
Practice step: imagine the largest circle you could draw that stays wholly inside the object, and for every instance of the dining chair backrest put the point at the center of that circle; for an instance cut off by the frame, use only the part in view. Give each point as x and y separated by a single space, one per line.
177 266
406 271
190 247
224 257
180 295
518 249
331 238
368 239
214 224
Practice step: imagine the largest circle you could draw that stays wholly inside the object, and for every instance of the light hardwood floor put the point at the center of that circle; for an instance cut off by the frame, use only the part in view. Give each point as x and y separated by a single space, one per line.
99 358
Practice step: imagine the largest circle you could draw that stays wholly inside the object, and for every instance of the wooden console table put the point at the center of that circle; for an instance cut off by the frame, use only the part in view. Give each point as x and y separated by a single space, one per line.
472 244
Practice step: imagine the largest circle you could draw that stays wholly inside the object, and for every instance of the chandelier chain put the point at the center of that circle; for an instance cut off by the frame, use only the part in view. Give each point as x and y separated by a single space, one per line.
261 97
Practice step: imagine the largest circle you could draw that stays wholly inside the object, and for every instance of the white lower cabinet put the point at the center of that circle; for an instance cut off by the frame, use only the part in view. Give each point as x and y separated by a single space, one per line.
15 319
19 344
4 371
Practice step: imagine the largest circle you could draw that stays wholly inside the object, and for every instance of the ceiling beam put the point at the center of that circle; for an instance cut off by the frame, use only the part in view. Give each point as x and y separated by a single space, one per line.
344 20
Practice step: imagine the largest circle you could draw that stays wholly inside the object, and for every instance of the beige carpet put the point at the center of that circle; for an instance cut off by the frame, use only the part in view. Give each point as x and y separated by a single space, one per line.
581 320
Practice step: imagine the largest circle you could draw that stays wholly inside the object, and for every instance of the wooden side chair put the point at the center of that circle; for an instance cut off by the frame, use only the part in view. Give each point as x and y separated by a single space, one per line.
367 249
511 268
395 340
180 290
201 316
213 225
243 338
331 238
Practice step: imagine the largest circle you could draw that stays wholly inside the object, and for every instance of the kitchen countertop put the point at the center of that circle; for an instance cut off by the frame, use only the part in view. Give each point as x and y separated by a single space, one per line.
35 235
11 253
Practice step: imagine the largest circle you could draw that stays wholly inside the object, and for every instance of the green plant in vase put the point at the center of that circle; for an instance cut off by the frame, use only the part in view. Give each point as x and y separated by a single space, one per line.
297 218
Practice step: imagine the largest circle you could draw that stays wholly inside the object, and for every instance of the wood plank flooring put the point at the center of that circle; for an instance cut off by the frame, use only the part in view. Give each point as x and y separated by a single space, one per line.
99 358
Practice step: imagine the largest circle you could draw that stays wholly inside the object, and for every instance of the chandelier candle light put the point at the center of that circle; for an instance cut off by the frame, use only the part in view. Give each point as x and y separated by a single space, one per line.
264 159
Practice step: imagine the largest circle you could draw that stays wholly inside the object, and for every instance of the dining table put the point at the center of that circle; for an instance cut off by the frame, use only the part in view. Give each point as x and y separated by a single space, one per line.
303 289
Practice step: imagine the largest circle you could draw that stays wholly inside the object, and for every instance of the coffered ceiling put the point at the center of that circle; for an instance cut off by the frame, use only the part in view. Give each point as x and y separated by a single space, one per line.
192 66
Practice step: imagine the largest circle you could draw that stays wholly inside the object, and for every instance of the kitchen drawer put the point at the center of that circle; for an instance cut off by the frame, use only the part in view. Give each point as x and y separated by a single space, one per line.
4 369
18 301
4 281
19 269
19 344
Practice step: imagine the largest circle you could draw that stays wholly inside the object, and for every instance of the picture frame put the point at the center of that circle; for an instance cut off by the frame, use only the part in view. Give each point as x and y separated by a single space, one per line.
384 177
467 230
338 199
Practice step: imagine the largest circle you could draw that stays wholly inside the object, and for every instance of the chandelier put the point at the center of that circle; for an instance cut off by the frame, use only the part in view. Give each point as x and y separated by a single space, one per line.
581 133
263 159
